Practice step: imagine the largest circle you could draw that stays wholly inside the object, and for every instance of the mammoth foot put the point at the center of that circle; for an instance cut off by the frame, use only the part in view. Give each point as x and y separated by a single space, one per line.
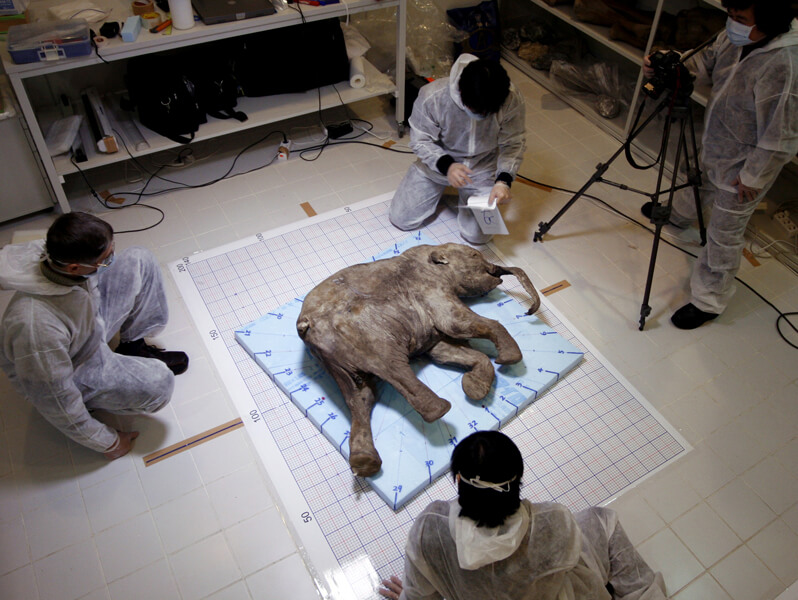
509 356
477 385
434 410
365 464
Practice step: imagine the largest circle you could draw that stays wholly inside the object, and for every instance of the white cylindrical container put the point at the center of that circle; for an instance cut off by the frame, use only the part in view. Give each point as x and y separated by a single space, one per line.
182 14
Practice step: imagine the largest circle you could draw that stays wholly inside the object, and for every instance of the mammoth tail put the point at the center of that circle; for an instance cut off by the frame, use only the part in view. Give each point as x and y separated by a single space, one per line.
527 285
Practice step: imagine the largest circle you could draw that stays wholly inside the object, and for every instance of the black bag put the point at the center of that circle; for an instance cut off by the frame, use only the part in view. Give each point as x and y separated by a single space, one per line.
214 82
292 59
164 96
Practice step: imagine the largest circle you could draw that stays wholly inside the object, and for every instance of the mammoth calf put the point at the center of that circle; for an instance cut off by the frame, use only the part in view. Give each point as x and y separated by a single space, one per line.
366 321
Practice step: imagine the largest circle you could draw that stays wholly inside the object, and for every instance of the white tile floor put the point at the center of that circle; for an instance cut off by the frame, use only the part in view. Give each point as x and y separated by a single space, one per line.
720 524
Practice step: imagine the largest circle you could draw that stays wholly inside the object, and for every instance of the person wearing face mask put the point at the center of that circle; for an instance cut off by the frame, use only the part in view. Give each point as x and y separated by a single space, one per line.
73 294
488 543
750 133
467 131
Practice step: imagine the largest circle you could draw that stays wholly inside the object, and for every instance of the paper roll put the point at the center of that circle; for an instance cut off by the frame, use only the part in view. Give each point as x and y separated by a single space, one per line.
182 14
357 72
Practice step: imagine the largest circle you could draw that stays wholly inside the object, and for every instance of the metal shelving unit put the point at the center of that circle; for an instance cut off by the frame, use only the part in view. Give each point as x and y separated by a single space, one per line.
261 111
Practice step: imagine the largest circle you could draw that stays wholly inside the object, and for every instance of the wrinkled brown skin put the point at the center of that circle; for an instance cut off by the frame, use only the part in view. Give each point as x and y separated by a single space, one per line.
367 321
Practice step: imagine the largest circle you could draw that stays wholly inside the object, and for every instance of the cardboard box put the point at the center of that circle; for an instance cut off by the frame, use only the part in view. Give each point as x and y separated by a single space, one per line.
7 21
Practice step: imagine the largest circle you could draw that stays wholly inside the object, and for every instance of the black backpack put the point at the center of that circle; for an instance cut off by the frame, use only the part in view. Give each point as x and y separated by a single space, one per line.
164 97
214 82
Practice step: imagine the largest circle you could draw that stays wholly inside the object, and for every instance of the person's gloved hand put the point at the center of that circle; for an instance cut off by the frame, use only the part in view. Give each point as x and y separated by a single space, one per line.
392 588
648 72
123 445
458 175
499 194
745 193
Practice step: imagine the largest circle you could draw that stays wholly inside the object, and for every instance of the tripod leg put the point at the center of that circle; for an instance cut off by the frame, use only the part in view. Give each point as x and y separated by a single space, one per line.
660 217
694 177
601 168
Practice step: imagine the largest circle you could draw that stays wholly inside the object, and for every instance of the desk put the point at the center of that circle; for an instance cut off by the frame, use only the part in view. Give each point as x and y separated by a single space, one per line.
29 79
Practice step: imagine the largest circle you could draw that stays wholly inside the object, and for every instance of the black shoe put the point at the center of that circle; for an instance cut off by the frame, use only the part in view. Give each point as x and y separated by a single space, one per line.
176 361
690 317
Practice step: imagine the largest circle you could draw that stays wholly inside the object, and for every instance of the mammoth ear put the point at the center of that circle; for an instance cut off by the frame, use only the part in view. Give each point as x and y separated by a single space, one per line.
438 257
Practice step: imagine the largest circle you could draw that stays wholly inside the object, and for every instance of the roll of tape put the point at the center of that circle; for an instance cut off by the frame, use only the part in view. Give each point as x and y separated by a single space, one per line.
142 7
151 20
100 41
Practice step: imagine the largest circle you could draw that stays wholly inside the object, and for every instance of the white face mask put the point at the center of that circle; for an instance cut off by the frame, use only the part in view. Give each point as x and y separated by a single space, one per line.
480 546
739 34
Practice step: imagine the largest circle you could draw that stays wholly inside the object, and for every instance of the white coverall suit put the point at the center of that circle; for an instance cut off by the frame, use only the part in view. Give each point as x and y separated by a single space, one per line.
750 131
440 126
55 341
557 556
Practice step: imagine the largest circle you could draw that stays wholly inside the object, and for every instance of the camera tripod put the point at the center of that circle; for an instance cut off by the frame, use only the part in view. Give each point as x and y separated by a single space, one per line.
677 104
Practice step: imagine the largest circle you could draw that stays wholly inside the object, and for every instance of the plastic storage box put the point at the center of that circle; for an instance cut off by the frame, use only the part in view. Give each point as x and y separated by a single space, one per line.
49 40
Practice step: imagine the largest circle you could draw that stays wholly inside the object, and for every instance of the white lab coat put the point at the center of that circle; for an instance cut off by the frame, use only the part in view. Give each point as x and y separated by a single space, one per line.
750 131
439 125
563 557
54 340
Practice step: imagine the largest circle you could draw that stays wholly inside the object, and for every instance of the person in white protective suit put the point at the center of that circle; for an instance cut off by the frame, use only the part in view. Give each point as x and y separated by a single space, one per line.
467 131
750 133
488 543
72 296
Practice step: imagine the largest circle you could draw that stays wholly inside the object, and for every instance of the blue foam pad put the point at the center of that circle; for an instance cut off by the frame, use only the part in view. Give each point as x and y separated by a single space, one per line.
414 453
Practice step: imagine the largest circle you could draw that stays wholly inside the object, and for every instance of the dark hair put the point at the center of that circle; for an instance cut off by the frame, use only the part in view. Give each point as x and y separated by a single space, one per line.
484 86
78 237
772 17
493 457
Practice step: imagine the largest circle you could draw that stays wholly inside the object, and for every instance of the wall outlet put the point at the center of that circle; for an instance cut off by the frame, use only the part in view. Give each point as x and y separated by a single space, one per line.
782 217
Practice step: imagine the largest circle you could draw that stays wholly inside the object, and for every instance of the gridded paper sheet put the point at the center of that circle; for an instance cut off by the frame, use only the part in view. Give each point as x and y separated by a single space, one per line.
584 441
414 453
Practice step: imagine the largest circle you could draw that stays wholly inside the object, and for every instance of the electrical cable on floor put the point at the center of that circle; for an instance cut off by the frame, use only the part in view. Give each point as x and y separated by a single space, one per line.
152 175
102 201
781 315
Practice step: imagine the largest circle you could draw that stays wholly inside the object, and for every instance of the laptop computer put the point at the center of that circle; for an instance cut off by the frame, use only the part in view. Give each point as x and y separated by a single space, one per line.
224 11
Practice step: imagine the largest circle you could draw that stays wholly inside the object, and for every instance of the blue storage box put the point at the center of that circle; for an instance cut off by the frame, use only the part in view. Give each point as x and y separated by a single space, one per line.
49 40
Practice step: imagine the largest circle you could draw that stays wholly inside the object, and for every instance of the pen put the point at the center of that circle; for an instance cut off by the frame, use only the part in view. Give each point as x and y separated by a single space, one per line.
161 27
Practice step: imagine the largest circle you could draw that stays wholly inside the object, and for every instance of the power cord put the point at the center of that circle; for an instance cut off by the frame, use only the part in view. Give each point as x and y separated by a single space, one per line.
781 315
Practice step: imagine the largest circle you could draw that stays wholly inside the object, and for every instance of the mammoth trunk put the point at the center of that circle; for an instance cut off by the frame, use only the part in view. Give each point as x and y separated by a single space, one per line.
525 282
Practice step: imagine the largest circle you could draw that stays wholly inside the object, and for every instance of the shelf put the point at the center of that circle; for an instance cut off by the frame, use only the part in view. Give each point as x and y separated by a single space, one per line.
260 111
565 13
614 127
147 42
28 80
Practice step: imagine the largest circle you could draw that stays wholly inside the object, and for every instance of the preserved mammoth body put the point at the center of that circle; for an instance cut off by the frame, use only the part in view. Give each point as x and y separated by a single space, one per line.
366 321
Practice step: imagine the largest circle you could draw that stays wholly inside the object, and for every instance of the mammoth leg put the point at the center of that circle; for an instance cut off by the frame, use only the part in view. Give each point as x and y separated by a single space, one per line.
457 321
426 402
360 396
479 376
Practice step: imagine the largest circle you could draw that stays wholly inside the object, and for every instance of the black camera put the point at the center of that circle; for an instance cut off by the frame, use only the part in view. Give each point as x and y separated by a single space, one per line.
669 74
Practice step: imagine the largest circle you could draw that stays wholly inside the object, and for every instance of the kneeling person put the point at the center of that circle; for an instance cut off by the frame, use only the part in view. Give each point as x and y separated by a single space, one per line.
488 543
72 296
467 131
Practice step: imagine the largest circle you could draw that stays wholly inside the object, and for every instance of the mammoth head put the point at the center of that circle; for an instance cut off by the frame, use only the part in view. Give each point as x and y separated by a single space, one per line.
471 275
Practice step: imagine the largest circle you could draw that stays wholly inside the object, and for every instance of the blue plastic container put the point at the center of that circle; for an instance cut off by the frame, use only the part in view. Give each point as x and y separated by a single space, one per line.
49 40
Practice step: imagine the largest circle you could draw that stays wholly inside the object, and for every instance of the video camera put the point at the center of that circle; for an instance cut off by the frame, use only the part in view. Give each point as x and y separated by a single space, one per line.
669 74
